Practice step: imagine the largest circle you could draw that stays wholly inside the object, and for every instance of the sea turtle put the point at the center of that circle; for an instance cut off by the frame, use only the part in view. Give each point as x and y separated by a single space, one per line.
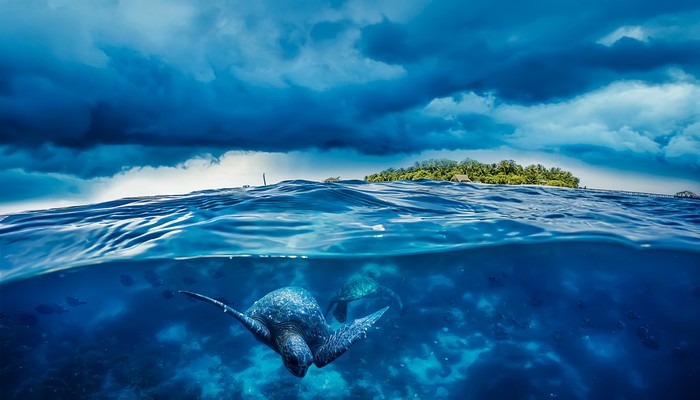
356 289
290 322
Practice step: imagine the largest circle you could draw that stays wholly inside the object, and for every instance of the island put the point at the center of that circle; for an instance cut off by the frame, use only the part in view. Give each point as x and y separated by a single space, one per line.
687 194
506 172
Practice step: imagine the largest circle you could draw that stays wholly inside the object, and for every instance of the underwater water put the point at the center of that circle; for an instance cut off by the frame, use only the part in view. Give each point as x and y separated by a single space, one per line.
507 293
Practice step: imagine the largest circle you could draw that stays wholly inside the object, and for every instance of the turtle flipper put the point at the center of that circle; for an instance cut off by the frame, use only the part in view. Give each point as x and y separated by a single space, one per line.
341 311
385 291
341 340
330 305
258 329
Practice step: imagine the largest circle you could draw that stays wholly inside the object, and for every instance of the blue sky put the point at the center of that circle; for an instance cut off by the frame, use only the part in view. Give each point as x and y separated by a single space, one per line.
110 98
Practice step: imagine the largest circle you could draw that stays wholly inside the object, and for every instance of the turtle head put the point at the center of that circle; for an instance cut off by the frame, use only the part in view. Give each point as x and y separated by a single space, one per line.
372 274
296 355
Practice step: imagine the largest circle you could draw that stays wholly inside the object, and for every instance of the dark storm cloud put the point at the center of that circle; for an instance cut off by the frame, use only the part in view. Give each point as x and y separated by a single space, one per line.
32 186
90 88
100 160
562 62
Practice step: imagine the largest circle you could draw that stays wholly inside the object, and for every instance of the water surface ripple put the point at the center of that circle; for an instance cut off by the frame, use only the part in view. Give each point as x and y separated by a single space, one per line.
352 218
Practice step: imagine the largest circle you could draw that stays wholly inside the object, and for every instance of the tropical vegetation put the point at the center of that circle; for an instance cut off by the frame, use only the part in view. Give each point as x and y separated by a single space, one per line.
505 172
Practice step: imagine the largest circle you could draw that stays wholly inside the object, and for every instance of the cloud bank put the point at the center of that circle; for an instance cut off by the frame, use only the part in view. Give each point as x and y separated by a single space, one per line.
90 89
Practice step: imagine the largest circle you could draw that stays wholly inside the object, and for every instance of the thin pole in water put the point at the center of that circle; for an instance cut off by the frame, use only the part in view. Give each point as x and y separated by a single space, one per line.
264 181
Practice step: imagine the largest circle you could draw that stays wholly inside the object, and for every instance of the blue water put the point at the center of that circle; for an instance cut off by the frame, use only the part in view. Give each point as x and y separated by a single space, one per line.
508 293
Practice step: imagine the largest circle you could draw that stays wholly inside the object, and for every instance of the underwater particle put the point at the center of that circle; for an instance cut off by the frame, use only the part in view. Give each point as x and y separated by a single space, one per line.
74 301
290 321
621 325
28 319
535 301
581 305
168 294
633 316
153 278
188 281
126 280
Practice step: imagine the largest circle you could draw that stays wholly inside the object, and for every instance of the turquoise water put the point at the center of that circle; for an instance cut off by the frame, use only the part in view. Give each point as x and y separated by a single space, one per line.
508 292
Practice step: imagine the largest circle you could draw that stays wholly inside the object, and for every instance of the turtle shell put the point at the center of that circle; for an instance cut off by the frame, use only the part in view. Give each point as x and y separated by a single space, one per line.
356 289
292 308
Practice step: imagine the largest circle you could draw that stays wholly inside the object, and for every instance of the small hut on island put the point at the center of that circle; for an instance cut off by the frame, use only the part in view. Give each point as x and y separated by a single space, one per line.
460 178
332 179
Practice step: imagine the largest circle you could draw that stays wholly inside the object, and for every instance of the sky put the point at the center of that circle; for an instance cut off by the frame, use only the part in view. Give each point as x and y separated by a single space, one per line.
103 99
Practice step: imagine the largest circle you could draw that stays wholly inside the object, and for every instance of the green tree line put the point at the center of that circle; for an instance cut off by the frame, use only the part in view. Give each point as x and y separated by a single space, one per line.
505 172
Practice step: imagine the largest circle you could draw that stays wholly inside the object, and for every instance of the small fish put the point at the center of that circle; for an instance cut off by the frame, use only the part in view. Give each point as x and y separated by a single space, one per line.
189 281
168 294
74 301
126 280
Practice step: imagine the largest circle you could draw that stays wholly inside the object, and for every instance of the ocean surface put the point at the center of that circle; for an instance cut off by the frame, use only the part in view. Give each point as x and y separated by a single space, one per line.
507 292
